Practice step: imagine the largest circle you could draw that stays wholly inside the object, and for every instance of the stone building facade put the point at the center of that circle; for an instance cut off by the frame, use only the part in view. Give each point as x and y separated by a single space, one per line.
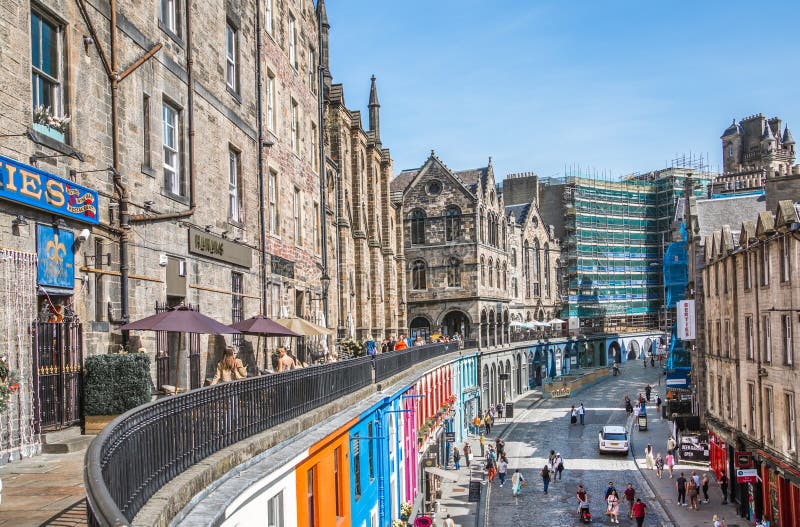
751 296
535 254
168 168
754 150
460 244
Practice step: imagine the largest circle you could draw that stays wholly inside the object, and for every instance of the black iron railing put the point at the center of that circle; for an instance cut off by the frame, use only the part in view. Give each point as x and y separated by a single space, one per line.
145 448
388 364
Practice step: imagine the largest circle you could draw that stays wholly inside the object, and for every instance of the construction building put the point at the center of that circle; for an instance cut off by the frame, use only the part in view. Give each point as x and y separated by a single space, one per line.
614 234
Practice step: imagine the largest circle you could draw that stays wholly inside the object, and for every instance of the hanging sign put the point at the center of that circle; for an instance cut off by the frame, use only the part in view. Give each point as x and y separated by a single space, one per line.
746 475
56 261
744 459
686 320
39 189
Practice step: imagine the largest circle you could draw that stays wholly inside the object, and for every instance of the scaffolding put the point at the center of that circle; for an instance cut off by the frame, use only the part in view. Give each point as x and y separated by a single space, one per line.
616 235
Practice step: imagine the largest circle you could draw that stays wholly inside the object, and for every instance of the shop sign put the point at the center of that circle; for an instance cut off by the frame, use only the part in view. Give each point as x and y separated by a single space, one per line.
56 261
504 376
694 448
218 248
450 437
744 460
281 266
39 189
746 475
686 320
560 392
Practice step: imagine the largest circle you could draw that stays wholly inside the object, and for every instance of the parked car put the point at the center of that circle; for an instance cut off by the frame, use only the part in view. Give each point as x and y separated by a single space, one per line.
613 439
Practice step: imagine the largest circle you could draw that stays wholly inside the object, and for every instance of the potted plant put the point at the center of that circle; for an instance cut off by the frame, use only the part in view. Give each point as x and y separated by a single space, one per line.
352 347
113 384
46 122
405 510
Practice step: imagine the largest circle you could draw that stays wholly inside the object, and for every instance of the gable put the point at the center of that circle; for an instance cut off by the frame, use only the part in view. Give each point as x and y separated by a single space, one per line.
765 225
435 166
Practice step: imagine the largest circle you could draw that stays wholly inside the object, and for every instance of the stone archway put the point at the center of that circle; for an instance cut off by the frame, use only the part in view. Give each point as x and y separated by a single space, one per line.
648 346
420 325
633 350
456 321
615 352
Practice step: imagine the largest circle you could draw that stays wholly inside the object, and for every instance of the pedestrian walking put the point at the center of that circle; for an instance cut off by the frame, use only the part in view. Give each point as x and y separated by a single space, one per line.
613 506
658 404
609 489
559 463
723 485
652 361
671 445
628 406
704 486
491 467
680 485
502 468
448 522
500 446
692 492
582 412
517 482
644 360
551 458
573 415
482 441
659 466
457 458
639 512
500 410
630 497
476 424
647 391
648 456
670 463
545 473
467 452
487 423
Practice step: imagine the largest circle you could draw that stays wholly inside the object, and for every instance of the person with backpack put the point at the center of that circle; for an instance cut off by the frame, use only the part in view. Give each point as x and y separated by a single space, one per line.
502 468
467 452
559 464
545 473
457 458
491 466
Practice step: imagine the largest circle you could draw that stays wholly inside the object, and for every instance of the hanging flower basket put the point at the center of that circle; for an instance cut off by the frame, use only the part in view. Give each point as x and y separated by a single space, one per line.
45 122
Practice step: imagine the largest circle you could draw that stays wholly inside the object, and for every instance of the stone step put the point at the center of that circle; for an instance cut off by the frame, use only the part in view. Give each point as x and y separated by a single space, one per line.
61 435
71 444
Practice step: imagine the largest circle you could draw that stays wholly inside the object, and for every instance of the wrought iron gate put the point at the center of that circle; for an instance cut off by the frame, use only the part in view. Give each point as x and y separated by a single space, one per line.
58 363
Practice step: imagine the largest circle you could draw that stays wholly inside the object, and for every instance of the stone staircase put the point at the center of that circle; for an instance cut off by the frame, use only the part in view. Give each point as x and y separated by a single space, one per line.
65 441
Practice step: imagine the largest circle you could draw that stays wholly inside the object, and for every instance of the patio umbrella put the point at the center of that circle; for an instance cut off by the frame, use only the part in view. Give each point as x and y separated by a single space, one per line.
555 321
180 319
261 325
303 327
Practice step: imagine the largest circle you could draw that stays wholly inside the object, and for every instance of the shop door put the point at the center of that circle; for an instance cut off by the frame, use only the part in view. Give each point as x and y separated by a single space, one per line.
58 373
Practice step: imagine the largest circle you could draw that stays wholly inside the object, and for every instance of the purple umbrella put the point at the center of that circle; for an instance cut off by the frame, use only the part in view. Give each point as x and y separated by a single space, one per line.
180 319
261 325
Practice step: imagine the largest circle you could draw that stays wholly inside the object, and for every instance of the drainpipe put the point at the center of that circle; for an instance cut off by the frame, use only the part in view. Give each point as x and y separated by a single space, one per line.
146 218
382 520
322 171
260 147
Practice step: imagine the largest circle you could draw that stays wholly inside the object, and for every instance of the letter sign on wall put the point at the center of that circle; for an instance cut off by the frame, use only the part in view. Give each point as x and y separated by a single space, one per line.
686 321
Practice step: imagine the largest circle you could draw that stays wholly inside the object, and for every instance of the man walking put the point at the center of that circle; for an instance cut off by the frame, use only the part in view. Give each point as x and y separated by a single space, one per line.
487 422
647 391
630 496
502 468
545 477
581 412
680 485
483 445
723 485
467 452
639 512
671 445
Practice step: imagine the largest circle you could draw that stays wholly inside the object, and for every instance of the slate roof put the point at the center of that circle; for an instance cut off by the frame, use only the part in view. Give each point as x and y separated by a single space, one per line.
520 211
402 180
712 214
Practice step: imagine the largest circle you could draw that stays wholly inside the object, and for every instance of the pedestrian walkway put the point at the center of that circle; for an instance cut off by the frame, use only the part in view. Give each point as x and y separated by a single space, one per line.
44 490
657 433
455 494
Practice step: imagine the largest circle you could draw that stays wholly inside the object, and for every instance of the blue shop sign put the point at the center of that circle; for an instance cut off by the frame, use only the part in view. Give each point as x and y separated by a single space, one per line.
36 188
56 261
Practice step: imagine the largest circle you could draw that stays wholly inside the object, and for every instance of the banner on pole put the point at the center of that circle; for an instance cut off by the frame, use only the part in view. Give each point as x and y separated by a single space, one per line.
686 320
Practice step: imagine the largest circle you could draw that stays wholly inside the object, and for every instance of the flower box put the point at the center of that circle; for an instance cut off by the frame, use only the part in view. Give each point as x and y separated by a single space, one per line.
49 132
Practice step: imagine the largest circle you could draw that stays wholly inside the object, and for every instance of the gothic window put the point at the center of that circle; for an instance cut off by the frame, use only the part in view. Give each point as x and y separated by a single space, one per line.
505 276
454 272
536 261
505 239
526 271
514 289
479 231
418 275
514 257
546 270
483 271
497 275
417 227
452 225
491 273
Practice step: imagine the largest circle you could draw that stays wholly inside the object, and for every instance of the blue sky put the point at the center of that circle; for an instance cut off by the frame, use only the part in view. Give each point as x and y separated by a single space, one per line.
620 86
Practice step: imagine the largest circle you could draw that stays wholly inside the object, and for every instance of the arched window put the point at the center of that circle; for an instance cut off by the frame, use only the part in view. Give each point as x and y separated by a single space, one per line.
505 240
479 230
417 227
526 270
483 271
454 272
452 223
514 287
514 257
491 273
505 276
536 261
418 275
497 275
546 270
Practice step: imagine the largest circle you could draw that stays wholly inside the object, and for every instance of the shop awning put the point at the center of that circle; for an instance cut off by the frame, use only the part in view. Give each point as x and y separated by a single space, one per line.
444 474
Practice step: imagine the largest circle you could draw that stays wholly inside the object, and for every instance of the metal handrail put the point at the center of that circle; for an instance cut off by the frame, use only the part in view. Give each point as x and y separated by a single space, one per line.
145 448
392 363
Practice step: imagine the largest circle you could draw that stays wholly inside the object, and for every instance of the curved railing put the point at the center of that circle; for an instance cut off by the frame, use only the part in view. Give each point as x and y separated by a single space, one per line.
145 448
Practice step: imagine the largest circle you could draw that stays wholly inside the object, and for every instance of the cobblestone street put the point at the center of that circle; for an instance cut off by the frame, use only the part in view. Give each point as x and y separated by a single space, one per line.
546 426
